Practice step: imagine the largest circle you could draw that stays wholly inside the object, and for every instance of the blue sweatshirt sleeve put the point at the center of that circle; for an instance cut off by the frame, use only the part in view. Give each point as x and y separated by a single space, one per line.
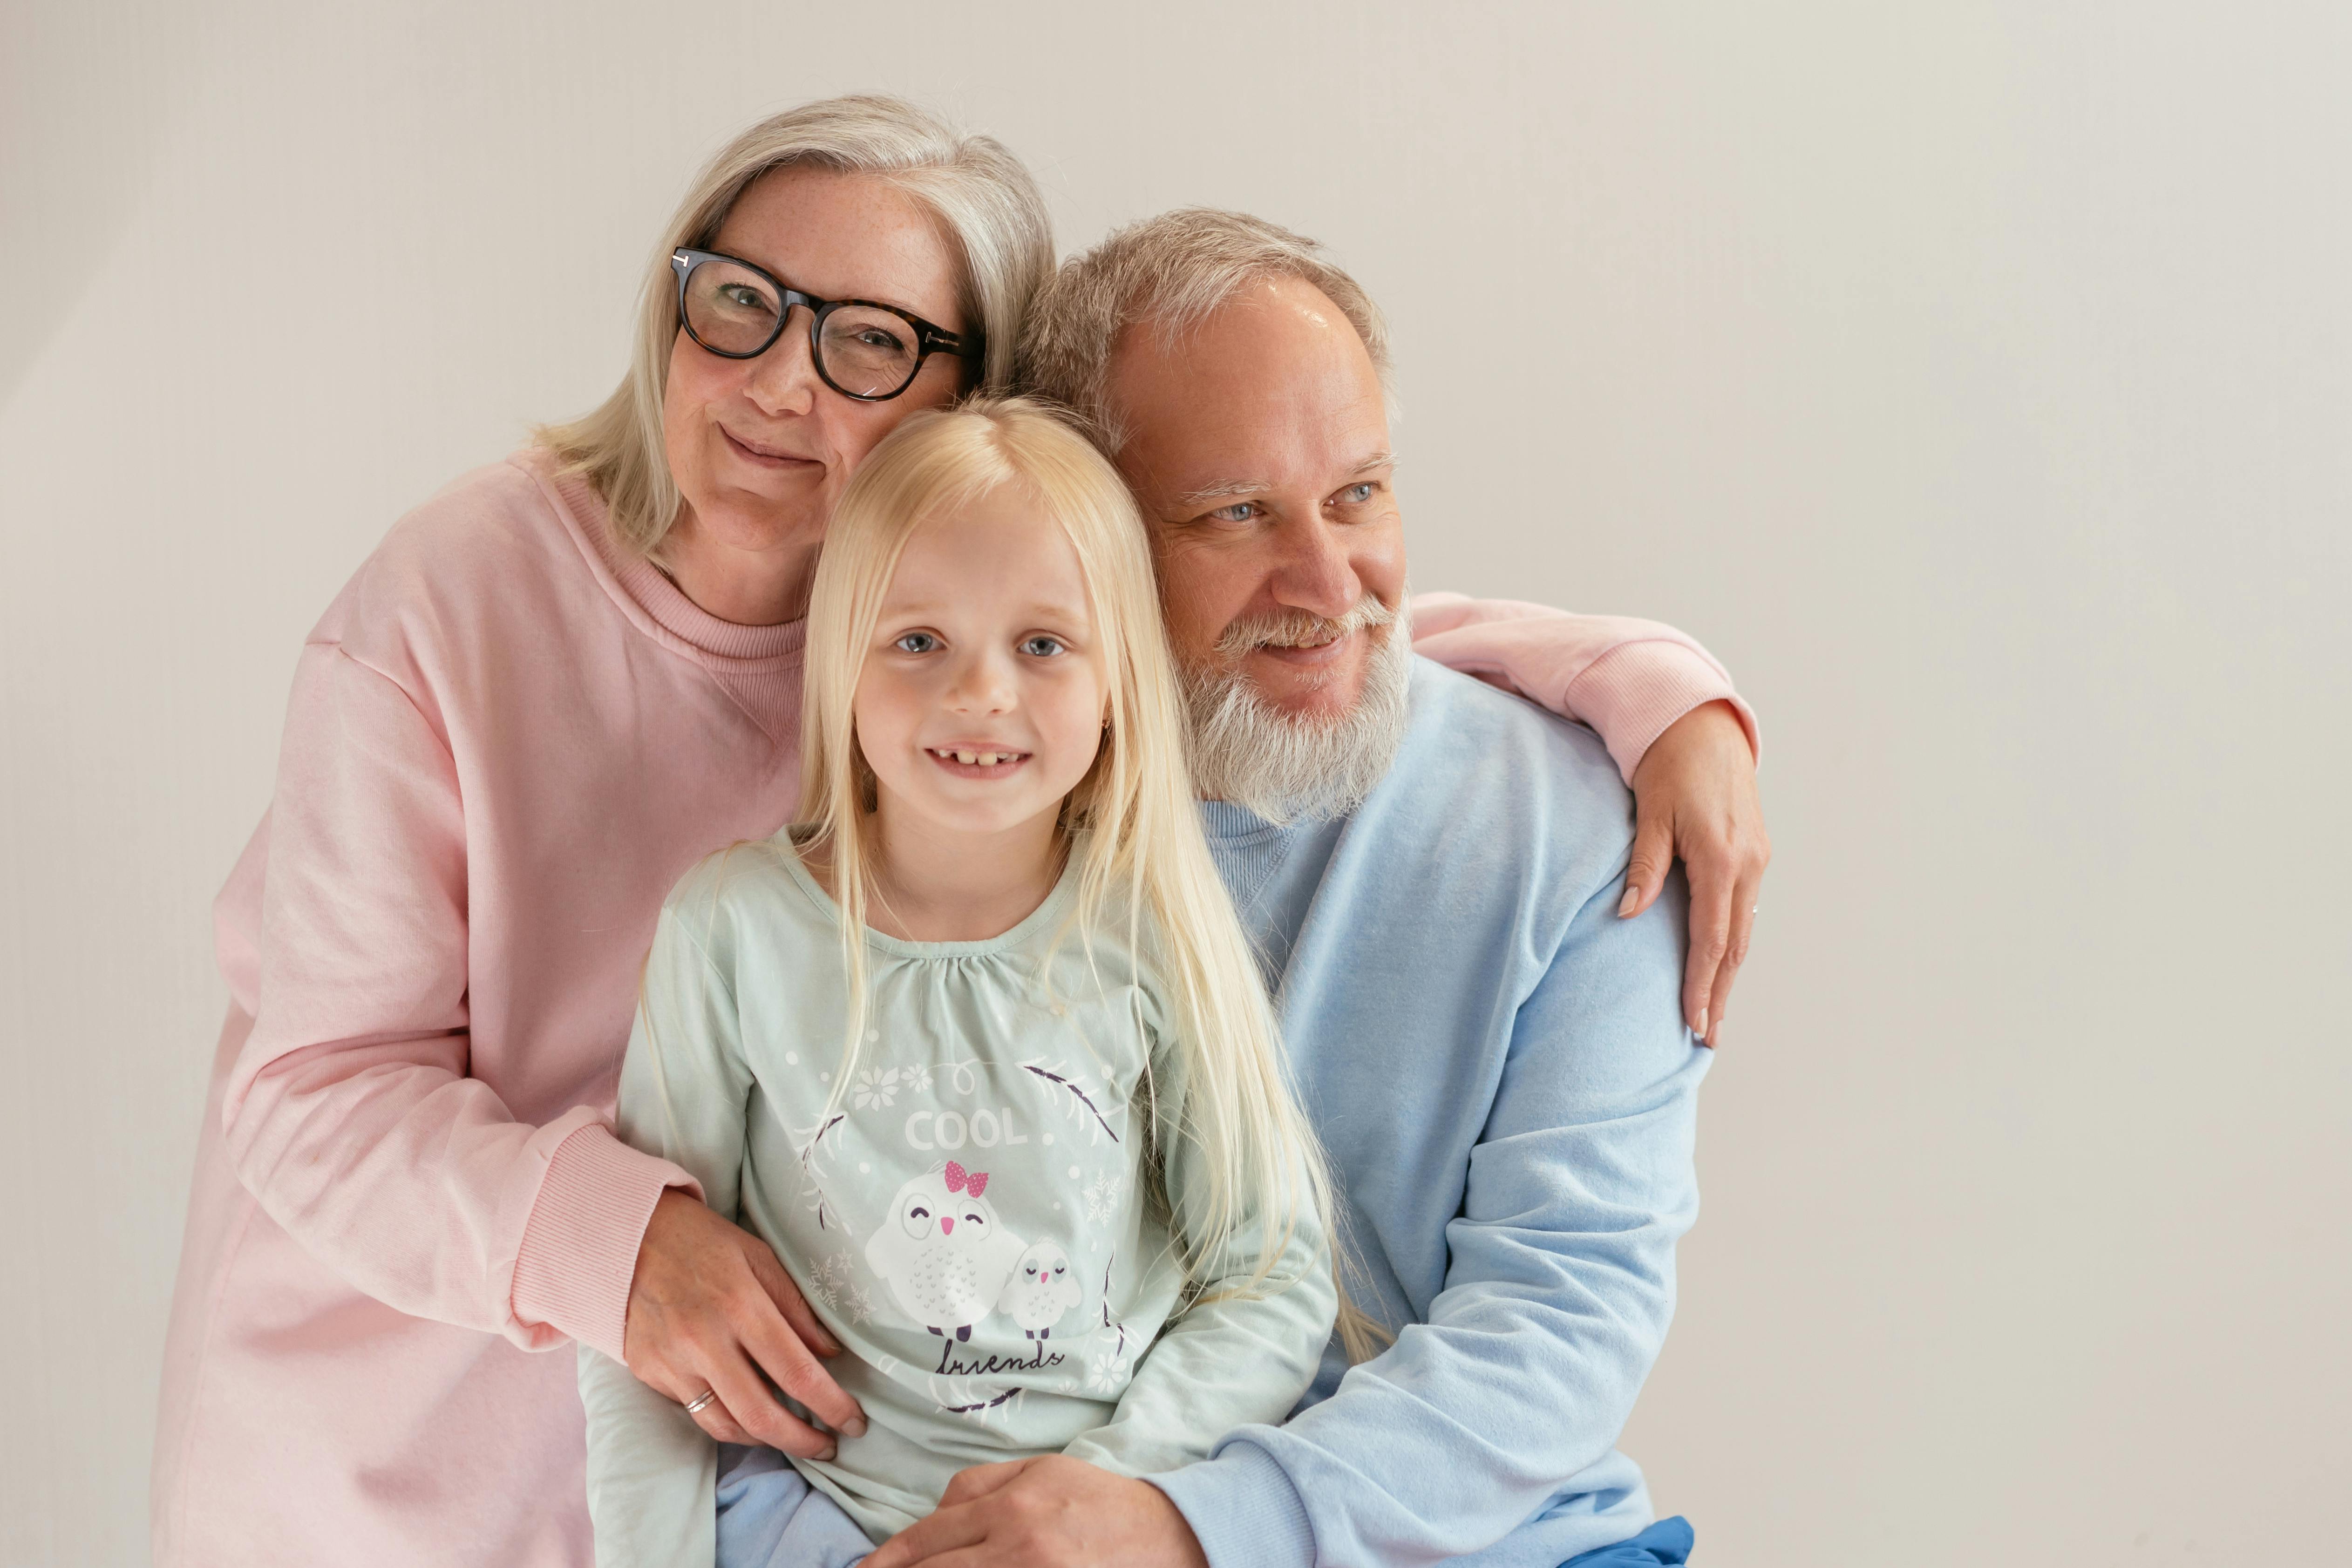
1557 1293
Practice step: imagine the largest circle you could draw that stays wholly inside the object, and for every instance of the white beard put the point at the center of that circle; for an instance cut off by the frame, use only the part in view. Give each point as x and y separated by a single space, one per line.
1279 765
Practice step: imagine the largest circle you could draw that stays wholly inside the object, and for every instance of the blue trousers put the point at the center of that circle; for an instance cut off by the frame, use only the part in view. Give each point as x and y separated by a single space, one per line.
1667 1543
770 1517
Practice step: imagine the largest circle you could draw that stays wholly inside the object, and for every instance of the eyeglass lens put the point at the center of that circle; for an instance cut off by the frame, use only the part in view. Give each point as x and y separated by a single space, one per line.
865 352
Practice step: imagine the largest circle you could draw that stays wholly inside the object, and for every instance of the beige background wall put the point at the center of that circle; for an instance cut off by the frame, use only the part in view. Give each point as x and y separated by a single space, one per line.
1972 377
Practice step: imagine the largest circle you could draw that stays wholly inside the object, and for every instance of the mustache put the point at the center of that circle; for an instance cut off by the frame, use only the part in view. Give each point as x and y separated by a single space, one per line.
1301 628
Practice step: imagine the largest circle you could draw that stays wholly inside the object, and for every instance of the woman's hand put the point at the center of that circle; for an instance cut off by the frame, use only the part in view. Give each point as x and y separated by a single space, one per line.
710 1309
1694 796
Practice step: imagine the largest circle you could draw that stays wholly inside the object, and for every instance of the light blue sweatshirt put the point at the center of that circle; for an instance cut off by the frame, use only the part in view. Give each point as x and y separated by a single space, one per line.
1499 1069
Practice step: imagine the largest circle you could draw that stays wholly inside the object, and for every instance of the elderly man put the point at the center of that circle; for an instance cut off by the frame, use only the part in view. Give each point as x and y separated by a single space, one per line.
1494 1059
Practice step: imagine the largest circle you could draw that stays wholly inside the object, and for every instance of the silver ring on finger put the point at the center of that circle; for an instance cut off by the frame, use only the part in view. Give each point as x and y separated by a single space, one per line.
697 1407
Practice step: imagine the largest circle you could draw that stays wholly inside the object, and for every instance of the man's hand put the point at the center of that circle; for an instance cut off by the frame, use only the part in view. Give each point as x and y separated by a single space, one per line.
1694 796
1048 1513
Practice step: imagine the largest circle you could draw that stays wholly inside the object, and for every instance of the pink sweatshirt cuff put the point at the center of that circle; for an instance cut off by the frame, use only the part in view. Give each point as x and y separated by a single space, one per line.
579 1250
1633 693
1627 678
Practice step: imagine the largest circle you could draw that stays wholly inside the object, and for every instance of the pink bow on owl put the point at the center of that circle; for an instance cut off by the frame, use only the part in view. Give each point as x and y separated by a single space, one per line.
961 1180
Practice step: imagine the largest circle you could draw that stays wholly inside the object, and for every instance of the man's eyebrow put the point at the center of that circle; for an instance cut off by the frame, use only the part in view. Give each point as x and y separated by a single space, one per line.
1234 488
1230 487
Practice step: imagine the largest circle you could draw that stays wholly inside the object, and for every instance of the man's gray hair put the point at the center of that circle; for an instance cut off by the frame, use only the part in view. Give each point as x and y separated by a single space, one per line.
1171 272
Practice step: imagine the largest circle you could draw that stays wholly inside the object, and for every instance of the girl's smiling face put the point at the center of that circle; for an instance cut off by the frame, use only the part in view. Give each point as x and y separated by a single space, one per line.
981 701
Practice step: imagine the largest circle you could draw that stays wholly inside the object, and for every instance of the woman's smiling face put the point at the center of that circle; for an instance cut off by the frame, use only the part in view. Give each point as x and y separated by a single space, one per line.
981 700
761 448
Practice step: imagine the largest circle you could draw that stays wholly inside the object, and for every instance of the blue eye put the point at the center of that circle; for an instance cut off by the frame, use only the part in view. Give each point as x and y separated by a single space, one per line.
1042 647
1239 512
916 643
1357 494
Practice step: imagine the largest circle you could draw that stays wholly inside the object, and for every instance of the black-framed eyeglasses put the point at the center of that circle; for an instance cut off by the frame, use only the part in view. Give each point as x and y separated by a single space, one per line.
862 348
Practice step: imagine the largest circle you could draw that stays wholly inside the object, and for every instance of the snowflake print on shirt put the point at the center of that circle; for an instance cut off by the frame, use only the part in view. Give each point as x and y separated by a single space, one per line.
1107 1373
836 1288
1102 1196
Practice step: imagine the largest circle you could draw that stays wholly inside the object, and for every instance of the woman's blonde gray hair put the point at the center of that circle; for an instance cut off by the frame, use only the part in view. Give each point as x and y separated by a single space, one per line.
982 196
1169 272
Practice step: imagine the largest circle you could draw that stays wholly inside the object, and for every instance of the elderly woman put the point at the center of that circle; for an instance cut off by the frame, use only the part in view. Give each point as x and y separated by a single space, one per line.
554 687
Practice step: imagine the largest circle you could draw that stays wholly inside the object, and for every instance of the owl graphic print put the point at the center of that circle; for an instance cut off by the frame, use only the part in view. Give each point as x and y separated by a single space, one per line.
945 1255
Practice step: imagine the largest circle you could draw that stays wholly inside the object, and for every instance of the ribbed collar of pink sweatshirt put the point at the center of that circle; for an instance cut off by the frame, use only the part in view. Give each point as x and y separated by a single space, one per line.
650 600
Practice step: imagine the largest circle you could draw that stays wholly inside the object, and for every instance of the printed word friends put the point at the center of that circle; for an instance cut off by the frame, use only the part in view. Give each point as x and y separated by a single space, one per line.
950 1367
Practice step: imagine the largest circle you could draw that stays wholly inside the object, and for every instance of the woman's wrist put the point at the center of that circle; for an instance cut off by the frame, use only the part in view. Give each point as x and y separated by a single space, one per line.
579 1250
1632 695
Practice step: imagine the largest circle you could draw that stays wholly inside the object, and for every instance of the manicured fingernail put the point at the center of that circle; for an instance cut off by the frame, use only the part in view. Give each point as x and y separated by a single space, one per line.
1699 1029
1716 1038
830 1450
854 1426
1625 904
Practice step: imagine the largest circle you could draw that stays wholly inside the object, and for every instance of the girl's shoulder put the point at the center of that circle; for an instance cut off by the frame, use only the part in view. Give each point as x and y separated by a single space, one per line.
1115 950
756 890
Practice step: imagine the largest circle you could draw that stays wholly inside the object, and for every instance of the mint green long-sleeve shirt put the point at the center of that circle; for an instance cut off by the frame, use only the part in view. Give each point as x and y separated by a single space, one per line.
984 1217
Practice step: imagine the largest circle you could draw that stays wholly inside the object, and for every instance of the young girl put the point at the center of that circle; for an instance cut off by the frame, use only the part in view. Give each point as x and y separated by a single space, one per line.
980 1050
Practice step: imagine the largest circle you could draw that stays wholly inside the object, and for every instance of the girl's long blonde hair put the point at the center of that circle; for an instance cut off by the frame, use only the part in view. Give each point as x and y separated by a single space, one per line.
1131 821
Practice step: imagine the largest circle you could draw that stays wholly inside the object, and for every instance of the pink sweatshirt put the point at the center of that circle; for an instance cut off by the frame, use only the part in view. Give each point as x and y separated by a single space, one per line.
507 739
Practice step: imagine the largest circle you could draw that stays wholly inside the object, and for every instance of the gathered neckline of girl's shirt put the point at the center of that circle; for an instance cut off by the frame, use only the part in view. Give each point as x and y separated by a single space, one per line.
1042 919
